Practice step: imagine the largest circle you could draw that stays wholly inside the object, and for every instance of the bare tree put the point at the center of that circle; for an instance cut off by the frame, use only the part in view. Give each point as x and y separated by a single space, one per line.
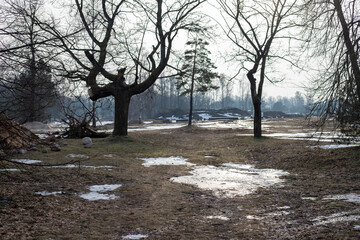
124 30
255 27
334 37
26 80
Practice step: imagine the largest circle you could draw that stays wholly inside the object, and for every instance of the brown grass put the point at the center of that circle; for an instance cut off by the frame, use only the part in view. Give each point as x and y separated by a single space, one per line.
150 204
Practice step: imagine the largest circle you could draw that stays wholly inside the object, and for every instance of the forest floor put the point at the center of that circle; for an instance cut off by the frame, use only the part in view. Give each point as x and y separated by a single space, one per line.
318 198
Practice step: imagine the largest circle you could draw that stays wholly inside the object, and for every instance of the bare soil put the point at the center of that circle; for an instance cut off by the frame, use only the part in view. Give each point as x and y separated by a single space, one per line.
148 203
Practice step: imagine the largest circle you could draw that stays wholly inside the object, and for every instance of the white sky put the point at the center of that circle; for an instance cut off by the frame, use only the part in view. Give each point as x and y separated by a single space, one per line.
292 81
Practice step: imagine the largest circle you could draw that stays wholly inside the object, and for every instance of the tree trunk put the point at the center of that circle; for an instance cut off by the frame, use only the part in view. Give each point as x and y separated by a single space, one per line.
122 102
191 103
349 46
257 118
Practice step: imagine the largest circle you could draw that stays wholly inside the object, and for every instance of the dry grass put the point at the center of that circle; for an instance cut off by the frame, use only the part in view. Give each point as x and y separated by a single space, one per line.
150 204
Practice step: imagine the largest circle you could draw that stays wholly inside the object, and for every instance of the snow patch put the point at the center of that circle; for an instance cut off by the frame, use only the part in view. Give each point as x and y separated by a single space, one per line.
81 166
72 155
97 192
336 146
9 170
336 217
165 161
109 155
104 188
93 196
134 236
231 180
26 161
351 197
309 198
205 116
357 227
224 218
46 193
252 217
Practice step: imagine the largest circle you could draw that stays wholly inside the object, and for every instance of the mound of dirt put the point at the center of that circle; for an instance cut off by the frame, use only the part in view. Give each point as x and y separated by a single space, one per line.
14 137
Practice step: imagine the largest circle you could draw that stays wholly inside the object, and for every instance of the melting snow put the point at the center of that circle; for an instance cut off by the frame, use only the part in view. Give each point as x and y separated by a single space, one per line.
72 155
336 217
104 188
46 193
134 236
336 146
93 196
252 217
239 124
97 192
26 161
205 116
81 166
351 197
9 170
309 198
224 218
165 161
231 180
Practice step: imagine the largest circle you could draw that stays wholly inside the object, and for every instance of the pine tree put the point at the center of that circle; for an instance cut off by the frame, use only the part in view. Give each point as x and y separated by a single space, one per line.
197 72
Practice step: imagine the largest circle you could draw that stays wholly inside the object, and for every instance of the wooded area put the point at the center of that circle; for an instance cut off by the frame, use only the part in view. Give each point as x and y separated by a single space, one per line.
47 63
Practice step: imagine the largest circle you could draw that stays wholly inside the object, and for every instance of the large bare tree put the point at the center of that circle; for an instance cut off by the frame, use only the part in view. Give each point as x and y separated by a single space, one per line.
116 35
256 28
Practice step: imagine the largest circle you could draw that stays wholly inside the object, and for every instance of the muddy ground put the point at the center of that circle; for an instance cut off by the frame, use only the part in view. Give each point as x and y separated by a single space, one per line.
148 203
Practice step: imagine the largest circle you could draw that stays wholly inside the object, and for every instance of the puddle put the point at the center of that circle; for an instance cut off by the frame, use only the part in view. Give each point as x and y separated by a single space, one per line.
336 217
224 218
72 155
97 192
231 179
134 236
351 197
46 193
165 161
26 161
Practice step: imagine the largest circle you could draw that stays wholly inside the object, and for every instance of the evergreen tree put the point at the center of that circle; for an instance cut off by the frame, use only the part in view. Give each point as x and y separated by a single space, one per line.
197 72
